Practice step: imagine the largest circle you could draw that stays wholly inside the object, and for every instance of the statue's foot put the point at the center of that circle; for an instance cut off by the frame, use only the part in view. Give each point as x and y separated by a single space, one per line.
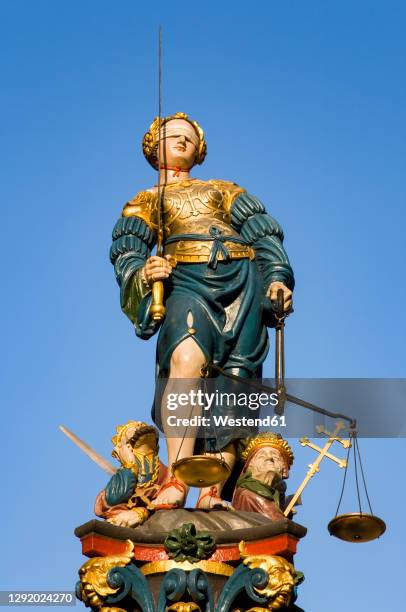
171 495
129 518
211 500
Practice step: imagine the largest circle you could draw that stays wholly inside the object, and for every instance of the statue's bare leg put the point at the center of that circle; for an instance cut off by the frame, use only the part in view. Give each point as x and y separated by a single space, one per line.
210 497
186 362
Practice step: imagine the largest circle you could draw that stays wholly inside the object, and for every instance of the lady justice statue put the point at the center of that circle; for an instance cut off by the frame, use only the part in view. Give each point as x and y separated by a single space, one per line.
222 266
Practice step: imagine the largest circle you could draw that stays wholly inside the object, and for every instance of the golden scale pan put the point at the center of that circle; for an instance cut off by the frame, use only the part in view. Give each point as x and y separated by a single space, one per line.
356 527
201 470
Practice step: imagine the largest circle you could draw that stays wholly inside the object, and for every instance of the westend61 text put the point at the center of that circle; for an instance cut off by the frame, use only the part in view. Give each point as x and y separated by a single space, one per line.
226 421
206 400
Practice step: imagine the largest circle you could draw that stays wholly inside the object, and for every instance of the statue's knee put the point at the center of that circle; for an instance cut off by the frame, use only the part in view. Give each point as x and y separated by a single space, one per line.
184 364
187 360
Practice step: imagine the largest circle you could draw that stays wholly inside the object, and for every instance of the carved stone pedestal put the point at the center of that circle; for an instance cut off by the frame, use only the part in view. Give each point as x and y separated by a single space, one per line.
190 561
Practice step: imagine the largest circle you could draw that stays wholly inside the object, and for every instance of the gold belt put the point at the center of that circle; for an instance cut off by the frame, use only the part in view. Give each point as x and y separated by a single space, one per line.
193 251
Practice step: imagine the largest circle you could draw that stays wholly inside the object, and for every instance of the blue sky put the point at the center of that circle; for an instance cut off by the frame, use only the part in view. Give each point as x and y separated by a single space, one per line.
303 104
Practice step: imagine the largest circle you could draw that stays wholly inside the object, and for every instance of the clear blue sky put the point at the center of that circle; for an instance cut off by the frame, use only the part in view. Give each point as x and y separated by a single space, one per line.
303 104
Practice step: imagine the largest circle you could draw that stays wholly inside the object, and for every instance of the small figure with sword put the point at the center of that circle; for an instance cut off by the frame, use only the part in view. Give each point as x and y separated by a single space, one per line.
126 500
210 288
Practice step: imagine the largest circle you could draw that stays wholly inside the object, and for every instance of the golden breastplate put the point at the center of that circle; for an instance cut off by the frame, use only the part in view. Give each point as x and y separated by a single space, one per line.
191 207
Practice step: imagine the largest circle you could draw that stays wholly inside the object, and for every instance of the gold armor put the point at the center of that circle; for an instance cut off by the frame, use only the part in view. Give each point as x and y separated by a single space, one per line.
192 207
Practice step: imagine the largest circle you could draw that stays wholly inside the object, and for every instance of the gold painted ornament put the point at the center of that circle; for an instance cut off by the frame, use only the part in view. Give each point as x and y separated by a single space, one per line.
201 470
356 527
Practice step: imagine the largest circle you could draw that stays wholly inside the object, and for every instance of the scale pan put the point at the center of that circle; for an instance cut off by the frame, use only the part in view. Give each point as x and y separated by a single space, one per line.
356 527
200 470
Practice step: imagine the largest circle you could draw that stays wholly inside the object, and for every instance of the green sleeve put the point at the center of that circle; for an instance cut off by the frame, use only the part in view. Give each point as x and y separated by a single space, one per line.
132 243
265 235
120 487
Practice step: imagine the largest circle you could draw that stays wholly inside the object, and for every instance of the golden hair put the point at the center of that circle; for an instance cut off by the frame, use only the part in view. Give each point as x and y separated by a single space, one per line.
140 429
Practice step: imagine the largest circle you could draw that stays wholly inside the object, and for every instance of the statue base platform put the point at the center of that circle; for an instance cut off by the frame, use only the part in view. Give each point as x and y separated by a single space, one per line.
153 558
261 536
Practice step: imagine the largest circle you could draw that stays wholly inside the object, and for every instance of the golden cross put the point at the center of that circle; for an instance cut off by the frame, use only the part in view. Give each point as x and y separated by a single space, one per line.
306 442
323 452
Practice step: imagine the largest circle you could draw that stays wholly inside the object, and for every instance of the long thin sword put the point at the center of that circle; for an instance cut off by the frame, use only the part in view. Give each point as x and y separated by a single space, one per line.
157 308
88 450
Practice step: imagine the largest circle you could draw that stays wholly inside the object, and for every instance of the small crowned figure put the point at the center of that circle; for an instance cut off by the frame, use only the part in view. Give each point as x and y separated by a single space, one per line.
261 487
223 265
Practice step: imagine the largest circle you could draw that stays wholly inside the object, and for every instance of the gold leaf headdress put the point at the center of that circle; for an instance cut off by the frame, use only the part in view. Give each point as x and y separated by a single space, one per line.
150 140
140 429
268 439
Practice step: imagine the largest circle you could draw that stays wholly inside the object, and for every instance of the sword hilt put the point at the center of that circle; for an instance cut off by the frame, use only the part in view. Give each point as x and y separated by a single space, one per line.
157 308
280 306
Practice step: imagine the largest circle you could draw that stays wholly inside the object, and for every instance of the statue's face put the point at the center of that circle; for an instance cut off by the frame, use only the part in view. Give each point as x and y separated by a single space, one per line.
179 143
124 449
282 579
281 582
146 443
268 465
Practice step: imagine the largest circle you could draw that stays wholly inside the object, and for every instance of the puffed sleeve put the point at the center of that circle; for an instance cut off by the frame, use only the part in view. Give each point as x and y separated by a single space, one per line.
265 235
133 239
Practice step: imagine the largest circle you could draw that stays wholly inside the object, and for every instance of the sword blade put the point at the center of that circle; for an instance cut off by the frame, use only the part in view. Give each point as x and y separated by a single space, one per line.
159 246
88 450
